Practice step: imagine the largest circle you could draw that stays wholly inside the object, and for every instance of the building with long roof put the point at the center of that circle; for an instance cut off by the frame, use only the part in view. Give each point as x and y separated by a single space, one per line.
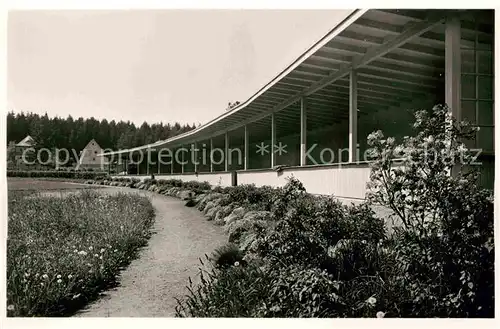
370 72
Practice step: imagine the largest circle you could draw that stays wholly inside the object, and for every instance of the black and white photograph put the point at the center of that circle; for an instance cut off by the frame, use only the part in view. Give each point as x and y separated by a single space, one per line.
249 163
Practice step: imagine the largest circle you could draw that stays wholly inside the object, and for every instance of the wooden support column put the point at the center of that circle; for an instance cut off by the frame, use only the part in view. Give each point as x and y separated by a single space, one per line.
137 165
453 74
246 149
273 140
303 131
182 161
148 155
195 153
172 160
211 155
158 160
453 64
226 152
353 116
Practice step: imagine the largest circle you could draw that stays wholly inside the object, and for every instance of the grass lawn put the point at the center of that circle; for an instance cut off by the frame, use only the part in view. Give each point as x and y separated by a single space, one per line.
62 252
44 184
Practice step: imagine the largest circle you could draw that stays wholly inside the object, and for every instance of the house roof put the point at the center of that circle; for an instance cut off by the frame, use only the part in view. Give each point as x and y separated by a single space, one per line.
26 142
90 142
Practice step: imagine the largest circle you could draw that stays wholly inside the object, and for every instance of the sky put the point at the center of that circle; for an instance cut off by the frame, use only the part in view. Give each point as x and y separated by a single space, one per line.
151 65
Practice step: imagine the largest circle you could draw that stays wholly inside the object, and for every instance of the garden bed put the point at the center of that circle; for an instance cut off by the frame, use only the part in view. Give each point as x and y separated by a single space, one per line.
60 255
292 254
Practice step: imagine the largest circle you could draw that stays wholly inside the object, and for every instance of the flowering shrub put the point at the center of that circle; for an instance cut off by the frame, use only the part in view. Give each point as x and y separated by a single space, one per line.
226 256
194 185
301 292
235 291
61 254
249 196
444 247
169 182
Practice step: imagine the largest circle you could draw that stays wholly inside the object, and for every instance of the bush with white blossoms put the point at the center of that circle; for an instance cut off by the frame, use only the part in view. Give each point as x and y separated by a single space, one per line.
444 248
314 257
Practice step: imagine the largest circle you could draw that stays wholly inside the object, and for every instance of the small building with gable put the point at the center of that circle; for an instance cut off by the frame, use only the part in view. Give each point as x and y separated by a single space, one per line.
89 159
16 150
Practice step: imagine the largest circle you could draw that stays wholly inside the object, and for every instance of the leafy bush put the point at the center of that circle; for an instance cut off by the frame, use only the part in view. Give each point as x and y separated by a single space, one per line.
232 292
445 244
60 254
226 256
194 185
301 292
57 174
319 258
250 196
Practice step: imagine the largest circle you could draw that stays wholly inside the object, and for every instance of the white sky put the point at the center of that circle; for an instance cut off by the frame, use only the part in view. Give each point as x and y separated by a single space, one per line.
162 65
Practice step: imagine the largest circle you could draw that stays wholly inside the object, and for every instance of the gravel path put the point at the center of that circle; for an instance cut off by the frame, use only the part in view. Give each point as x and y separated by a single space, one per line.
150 283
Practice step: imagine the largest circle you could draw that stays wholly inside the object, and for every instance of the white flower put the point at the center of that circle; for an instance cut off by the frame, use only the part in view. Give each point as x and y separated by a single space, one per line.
96 255
70 276
45 276
236 263
59 281
83 253
59 276
10 307
103 250
90 248
380 314
372 301
100 257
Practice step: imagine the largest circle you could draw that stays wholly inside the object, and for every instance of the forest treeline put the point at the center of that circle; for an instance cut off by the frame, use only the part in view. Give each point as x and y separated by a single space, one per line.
70 133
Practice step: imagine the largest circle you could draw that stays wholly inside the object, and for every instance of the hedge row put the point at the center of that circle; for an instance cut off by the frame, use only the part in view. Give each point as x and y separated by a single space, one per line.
57 174
194 186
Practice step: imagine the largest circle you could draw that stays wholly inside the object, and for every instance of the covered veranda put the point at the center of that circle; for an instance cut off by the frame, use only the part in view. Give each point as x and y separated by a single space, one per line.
370 72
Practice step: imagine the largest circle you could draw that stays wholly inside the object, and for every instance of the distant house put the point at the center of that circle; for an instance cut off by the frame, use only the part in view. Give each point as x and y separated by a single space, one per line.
16 151
89 159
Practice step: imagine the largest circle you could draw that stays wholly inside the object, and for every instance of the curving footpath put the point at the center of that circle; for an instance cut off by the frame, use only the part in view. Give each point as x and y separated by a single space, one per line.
160 273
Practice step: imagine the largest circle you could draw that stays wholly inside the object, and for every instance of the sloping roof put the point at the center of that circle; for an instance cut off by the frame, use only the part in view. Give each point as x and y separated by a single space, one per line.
398 56
26 142
92 141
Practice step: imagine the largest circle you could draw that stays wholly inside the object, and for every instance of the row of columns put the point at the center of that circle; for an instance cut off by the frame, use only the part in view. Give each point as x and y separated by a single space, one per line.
452 98
303 135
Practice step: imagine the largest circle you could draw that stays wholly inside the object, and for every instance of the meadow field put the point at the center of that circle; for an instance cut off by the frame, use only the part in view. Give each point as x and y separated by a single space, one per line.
63 251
